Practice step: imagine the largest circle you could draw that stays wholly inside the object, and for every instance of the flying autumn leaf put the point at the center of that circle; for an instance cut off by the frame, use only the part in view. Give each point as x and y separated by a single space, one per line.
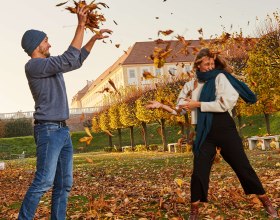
113 85
106 89
200 31
115 22
117 45
159 41
87 131
165 33
172 74
160 55
82 117
63 3
148 75
109 133
86 139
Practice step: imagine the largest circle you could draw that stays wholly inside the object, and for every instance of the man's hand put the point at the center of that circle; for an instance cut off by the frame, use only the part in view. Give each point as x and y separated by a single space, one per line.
153 104
82 14
99 35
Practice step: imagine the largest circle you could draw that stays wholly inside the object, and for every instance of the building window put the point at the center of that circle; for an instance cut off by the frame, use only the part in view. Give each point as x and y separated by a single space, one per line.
172 70
131 74
188 68
132 77
158 71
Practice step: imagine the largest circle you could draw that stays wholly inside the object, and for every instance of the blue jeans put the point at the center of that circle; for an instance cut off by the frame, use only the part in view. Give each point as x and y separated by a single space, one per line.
54 168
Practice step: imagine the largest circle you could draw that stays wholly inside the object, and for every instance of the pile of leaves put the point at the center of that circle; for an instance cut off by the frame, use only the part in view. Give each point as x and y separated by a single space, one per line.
145 186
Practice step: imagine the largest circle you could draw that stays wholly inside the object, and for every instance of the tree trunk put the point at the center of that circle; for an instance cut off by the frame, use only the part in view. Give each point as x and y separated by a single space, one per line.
182 128
145 133
239 118
188 126
120 138
110 141
131 137
163 133
267 122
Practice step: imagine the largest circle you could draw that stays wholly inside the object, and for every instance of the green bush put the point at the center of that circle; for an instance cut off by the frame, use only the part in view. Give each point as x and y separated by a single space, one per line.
18 127
2 128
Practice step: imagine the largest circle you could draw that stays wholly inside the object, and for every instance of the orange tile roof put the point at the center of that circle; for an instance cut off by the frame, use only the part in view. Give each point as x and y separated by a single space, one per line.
142 50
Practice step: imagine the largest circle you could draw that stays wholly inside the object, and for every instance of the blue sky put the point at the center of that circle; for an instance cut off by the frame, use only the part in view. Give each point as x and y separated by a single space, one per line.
136 22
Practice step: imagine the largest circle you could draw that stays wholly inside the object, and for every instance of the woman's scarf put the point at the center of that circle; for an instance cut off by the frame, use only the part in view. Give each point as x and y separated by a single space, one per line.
208 94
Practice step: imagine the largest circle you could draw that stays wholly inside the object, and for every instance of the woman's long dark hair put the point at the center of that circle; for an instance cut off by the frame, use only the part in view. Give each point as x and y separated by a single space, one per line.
220 63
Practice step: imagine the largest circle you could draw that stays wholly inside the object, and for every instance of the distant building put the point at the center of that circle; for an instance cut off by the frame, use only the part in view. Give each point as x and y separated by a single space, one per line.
128 71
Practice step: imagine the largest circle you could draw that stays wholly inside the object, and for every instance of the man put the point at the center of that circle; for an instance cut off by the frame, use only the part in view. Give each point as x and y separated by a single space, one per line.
54 166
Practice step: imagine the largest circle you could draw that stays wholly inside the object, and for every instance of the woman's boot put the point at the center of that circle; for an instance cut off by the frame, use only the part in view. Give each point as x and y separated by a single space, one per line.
194 211
271 211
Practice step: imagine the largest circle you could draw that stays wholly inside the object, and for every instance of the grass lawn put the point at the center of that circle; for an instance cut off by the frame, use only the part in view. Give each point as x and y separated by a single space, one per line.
255 125
144 185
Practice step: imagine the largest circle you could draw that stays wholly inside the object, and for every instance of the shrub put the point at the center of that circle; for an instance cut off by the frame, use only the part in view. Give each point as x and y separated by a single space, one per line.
18 127
2 128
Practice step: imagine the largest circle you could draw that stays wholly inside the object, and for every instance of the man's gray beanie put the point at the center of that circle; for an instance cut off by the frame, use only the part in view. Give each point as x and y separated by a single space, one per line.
31 40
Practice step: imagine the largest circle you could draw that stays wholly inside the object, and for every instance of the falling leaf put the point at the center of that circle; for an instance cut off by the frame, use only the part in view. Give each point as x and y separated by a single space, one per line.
62 3
113 85
148 75
117 45
109 133
200 31
157 17
172 74
115 22
165 33
86 139
159 41
106 89
82 117
87 131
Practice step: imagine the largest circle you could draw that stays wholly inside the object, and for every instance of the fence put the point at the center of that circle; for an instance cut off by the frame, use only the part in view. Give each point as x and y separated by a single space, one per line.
73 111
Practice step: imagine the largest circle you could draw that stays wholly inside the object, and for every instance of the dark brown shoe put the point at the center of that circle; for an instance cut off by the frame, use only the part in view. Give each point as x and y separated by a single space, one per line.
194 212
271 211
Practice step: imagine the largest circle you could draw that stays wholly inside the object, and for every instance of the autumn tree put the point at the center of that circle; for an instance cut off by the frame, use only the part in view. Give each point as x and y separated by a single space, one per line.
95 124
263 70
114 121
128 118
143 114
105 126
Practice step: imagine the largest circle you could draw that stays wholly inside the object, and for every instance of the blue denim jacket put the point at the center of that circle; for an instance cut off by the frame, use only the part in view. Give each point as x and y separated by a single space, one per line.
46 82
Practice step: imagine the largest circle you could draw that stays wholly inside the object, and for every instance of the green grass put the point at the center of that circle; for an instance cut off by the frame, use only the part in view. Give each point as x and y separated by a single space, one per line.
17 145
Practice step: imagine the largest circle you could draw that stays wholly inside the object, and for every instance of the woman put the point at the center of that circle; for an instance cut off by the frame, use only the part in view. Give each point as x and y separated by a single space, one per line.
213 95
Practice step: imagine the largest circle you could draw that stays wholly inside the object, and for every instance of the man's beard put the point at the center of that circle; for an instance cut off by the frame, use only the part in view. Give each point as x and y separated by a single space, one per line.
44 52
